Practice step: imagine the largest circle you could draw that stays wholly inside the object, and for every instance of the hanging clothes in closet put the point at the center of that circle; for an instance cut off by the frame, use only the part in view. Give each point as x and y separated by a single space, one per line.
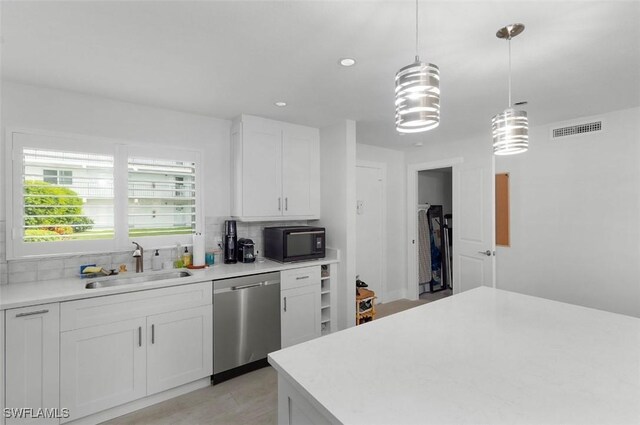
424 250
430 248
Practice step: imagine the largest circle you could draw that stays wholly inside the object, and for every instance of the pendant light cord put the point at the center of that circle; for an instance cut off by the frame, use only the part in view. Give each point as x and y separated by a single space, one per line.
509 40
417 57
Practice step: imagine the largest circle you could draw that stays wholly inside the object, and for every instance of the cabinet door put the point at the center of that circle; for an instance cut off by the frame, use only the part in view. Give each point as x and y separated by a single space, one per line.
180 348
300 171
32 342
300 309
102 366
261 170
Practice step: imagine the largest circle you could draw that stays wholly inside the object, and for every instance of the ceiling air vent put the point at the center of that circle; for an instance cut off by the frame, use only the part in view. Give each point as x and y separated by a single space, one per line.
575 130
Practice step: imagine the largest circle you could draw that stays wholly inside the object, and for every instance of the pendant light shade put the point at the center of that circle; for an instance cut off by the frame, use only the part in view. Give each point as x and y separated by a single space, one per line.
510 132
510 128
417 95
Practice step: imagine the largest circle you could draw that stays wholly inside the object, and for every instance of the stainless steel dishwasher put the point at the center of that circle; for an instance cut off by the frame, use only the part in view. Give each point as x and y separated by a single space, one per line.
246 323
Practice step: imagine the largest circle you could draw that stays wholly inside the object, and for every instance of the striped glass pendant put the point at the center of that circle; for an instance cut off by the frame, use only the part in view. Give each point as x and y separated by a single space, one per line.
510 128
417 95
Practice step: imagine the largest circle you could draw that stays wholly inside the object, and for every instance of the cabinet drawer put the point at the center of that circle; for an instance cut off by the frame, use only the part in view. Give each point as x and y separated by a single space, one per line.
296 278
115 308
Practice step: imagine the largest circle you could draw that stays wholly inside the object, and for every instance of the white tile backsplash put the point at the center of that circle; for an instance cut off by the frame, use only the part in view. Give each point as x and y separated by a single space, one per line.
3 254
18 271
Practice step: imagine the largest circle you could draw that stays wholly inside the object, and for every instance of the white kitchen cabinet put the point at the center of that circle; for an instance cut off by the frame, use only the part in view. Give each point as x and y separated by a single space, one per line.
120 348
180 348
300 305
300 173
275 170
31 356
103 366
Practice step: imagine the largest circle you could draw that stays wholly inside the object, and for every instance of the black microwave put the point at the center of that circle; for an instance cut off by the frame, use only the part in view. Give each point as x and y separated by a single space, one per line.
294 243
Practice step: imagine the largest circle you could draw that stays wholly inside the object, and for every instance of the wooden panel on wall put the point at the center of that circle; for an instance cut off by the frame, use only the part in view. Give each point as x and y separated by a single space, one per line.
502 209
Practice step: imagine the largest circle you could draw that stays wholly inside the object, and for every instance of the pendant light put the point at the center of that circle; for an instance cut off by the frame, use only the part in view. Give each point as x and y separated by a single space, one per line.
417 95
511 127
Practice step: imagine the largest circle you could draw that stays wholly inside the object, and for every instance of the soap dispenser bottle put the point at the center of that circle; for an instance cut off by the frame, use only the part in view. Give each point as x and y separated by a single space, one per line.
186 257
156 263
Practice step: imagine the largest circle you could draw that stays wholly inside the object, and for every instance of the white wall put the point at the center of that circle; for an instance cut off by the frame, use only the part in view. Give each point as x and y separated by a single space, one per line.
62 111
396 279
338 200
575 217
435 188
25 106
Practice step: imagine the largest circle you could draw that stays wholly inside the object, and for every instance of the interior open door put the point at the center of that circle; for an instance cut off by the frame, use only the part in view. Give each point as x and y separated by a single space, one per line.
473 225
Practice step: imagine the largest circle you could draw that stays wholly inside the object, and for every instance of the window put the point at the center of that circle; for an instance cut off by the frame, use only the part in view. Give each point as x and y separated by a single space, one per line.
57 207
162 197
61 177
78 194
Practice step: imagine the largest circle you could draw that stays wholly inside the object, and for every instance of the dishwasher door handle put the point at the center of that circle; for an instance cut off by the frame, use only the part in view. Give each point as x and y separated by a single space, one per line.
253 285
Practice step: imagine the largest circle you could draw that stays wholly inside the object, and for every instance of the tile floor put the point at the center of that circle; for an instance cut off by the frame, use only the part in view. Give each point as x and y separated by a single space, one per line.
397 306
247 399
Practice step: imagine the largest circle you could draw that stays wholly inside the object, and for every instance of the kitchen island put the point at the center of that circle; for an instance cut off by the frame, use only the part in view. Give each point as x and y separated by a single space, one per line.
485 356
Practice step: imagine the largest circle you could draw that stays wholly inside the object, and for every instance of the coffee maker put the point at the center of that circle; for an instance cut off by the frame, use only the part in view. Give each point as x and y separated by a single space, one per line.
245 251
230 242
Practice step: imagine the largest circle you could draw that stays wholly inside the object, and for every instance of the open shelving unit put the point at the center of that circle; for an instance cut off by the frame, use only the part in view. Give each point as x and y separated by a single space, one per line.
328 299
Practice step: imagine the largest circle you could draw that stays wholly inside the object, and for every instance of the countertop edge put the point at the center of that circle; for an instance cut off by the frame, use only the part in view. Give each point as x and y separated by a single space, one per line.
82 293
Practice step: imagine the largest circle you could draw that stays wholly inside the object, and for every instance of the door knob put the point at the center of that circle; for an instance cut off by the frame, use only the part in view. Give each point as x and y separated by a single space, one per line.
487 252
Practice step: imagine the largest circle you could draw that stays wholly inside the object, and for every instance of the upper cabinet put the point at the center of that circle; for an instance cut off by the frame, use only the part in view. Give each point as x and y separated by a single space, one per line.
275 170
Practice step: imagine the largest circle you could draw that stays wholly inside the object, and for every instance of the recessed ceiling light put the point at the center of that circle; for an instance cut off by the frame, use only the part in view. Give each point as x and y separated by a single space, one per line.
347 62
419 144
280 104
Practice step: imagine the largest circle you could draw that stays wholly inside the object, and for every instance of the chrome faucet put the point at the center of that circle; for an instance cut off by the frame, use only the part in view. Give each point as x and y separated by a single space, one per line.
138 254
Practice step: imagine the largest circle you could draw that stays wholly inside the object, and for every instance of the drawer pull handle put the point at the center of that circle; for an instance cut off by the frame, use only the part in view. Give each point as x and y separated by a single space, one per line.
32 313
302 277
139 336
285 303
153 334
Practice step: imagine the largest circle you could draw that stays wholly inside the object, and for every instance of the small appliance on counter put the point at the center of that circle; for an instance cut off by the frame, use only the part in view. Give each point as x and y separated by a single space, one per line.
230 242
245 251
294 243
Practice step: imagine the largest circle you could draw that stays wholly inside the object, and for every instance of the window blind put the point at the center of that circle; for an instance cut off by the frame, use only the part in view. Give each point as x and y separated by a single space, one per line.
161 197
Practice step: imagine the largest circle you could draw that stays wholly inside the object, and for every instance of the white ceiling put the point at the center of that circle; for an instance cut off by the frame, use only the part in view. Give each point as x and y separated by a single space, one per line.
575 58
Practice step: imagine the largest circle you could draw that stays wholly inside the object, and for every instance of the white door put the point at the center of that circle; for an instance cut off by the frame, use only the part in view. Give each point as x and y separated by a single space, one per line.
32 340
180 348
102 366
262 170
370 246
300 314
297 169
473 225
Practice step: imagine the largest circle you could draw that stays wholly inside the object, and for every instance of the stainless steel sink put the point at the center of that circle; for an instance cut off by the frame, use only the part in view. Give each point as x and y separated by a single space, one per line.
139 278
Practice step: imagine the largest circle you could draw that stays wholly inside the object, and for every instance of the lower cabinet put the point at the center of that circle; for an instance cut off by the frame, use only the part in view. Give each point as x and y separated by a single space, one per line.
109 365
179 348
120 348
31 356
102 366
300 305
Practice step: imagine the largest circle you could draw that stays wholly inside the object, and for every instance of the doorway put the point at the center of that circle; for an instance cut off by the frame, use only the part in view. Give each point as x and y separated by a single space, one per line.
371 219
473 234
434 233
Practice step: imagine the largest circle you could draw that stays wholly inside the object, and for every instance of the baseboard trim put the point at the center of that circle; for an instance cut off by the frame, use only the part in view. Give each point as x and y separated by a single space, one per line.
132 406
395 295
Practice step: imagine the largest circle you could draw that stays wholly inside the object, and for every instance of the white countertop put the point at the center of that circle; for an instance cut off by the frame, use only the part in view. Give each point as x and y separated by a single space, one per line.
485 356
28 294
